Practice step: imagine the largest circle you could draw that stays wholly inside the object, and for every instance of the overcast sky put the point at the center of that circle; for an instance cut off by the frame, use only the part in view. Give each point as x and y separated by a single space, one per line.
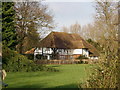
67 13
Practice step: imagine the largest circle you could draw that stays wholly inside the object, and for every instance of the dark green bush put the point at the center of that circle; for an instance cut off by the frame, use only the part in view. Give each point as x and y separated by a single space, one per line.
80 62
29 56
13 62
39 56
82 57
86 62
20 63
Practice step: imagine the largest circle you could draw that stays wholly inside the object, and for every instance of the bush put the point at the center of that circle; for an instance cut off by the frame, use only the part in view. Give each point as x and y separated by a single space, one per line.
13 62
41 57
86 62
104 75
20 63
82 62
82 57
29 56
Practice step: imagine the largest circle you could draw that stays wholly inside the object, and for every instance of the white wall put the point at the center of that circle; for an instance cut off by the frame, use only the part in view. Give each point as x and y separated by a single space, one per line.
77 51
64 51
37 51
81 51
85 52
45 50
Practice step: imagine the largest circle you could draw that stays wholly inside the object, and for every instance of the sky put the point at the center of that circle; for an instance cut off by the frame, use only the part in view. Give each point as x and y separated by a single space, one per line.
67 13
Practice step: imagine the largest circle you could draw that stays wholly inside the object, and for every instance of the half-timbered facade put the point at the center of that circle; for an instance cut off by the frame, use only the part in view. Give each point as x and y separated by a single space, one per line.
61 45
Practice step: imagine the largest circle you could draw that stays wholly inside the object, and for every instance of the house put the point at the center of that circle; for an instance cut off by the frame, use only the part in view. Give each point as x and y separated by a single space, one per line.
61 45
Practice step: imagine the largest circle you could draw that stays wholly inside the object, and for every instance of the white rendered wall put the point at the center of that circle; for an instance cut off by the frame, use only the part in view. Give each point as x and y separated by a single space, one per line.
45 50
86 52
65 51
37 51
77 51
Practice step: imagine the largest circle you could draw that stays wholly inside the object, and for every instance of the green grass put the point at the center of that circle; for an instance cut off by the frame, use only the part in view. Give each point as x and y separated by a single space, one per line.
69 76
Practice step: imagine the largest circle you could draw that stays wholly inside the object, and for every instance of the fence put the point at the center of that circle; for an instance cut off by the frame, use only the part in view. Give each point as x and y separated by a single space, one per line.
87 61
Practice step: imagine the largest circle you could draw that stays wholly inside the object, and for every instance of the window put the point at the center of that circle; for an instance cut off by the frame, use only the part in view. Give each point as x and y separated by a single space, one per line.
60 50
47 49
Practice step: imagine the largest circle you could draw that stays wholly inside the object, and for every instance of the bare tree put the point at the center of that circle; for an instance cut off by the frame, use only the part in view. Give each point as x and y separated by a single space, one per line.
105 25
105 19
75 28
89 32
31 18
65 29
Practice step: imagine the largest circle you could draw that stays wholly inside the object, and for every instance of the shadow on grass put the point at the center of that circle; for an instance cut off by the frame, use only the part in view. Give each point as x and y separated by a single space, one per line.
42 85
56 66
30 86
67 86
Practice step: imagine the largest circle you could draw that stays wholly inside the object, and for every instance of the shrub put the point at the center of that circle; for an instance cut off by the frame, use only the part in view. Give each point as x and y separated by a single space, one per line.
29 56
21 63
39 56
104 75
82 57
86 62
80 62
13 62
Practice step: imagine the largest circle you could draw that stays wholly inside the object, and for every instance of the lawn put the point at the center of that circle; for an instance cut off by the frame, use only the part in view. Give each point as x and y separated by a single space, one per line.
69 76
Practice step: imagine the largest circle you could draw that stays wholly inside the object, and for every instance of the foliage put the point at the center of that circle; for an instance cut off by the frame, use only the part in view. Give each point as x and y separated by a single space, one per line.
80 62
40 57
95 44
14 62
105 75
31 16
8 27
82 57
29 56
74 28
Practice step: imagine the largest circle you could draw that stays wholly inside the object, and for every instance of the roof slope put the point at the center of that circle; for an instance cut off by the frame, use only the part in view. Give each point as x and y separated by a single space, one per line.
30 51
64 40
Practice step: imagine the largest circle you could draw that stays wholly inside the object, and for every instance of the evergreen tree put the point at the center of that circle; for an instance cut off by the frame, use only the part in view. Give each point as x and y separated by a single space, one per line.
8 27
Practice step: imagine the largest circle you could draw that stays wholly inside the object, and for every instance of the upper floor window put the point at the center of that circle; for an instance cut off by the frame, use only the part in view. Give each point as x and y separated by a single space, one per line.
47 49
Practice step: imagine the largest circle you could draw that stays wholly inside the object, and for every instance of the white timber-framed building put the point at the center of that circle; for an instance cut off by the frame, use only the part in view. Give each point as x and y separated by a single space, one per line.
61 45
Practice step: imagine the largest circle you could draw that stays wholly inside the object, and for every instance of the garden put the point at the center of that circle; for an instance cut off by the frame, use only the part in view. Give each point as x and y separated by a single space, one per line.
68 76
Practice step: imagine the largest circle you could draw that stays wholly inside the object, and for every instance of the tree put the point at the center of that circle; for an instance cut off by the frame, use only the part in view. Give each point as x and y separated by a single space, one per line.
104 23
95 44
75 28
8 28
65 29
105 75
31 18
89 32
